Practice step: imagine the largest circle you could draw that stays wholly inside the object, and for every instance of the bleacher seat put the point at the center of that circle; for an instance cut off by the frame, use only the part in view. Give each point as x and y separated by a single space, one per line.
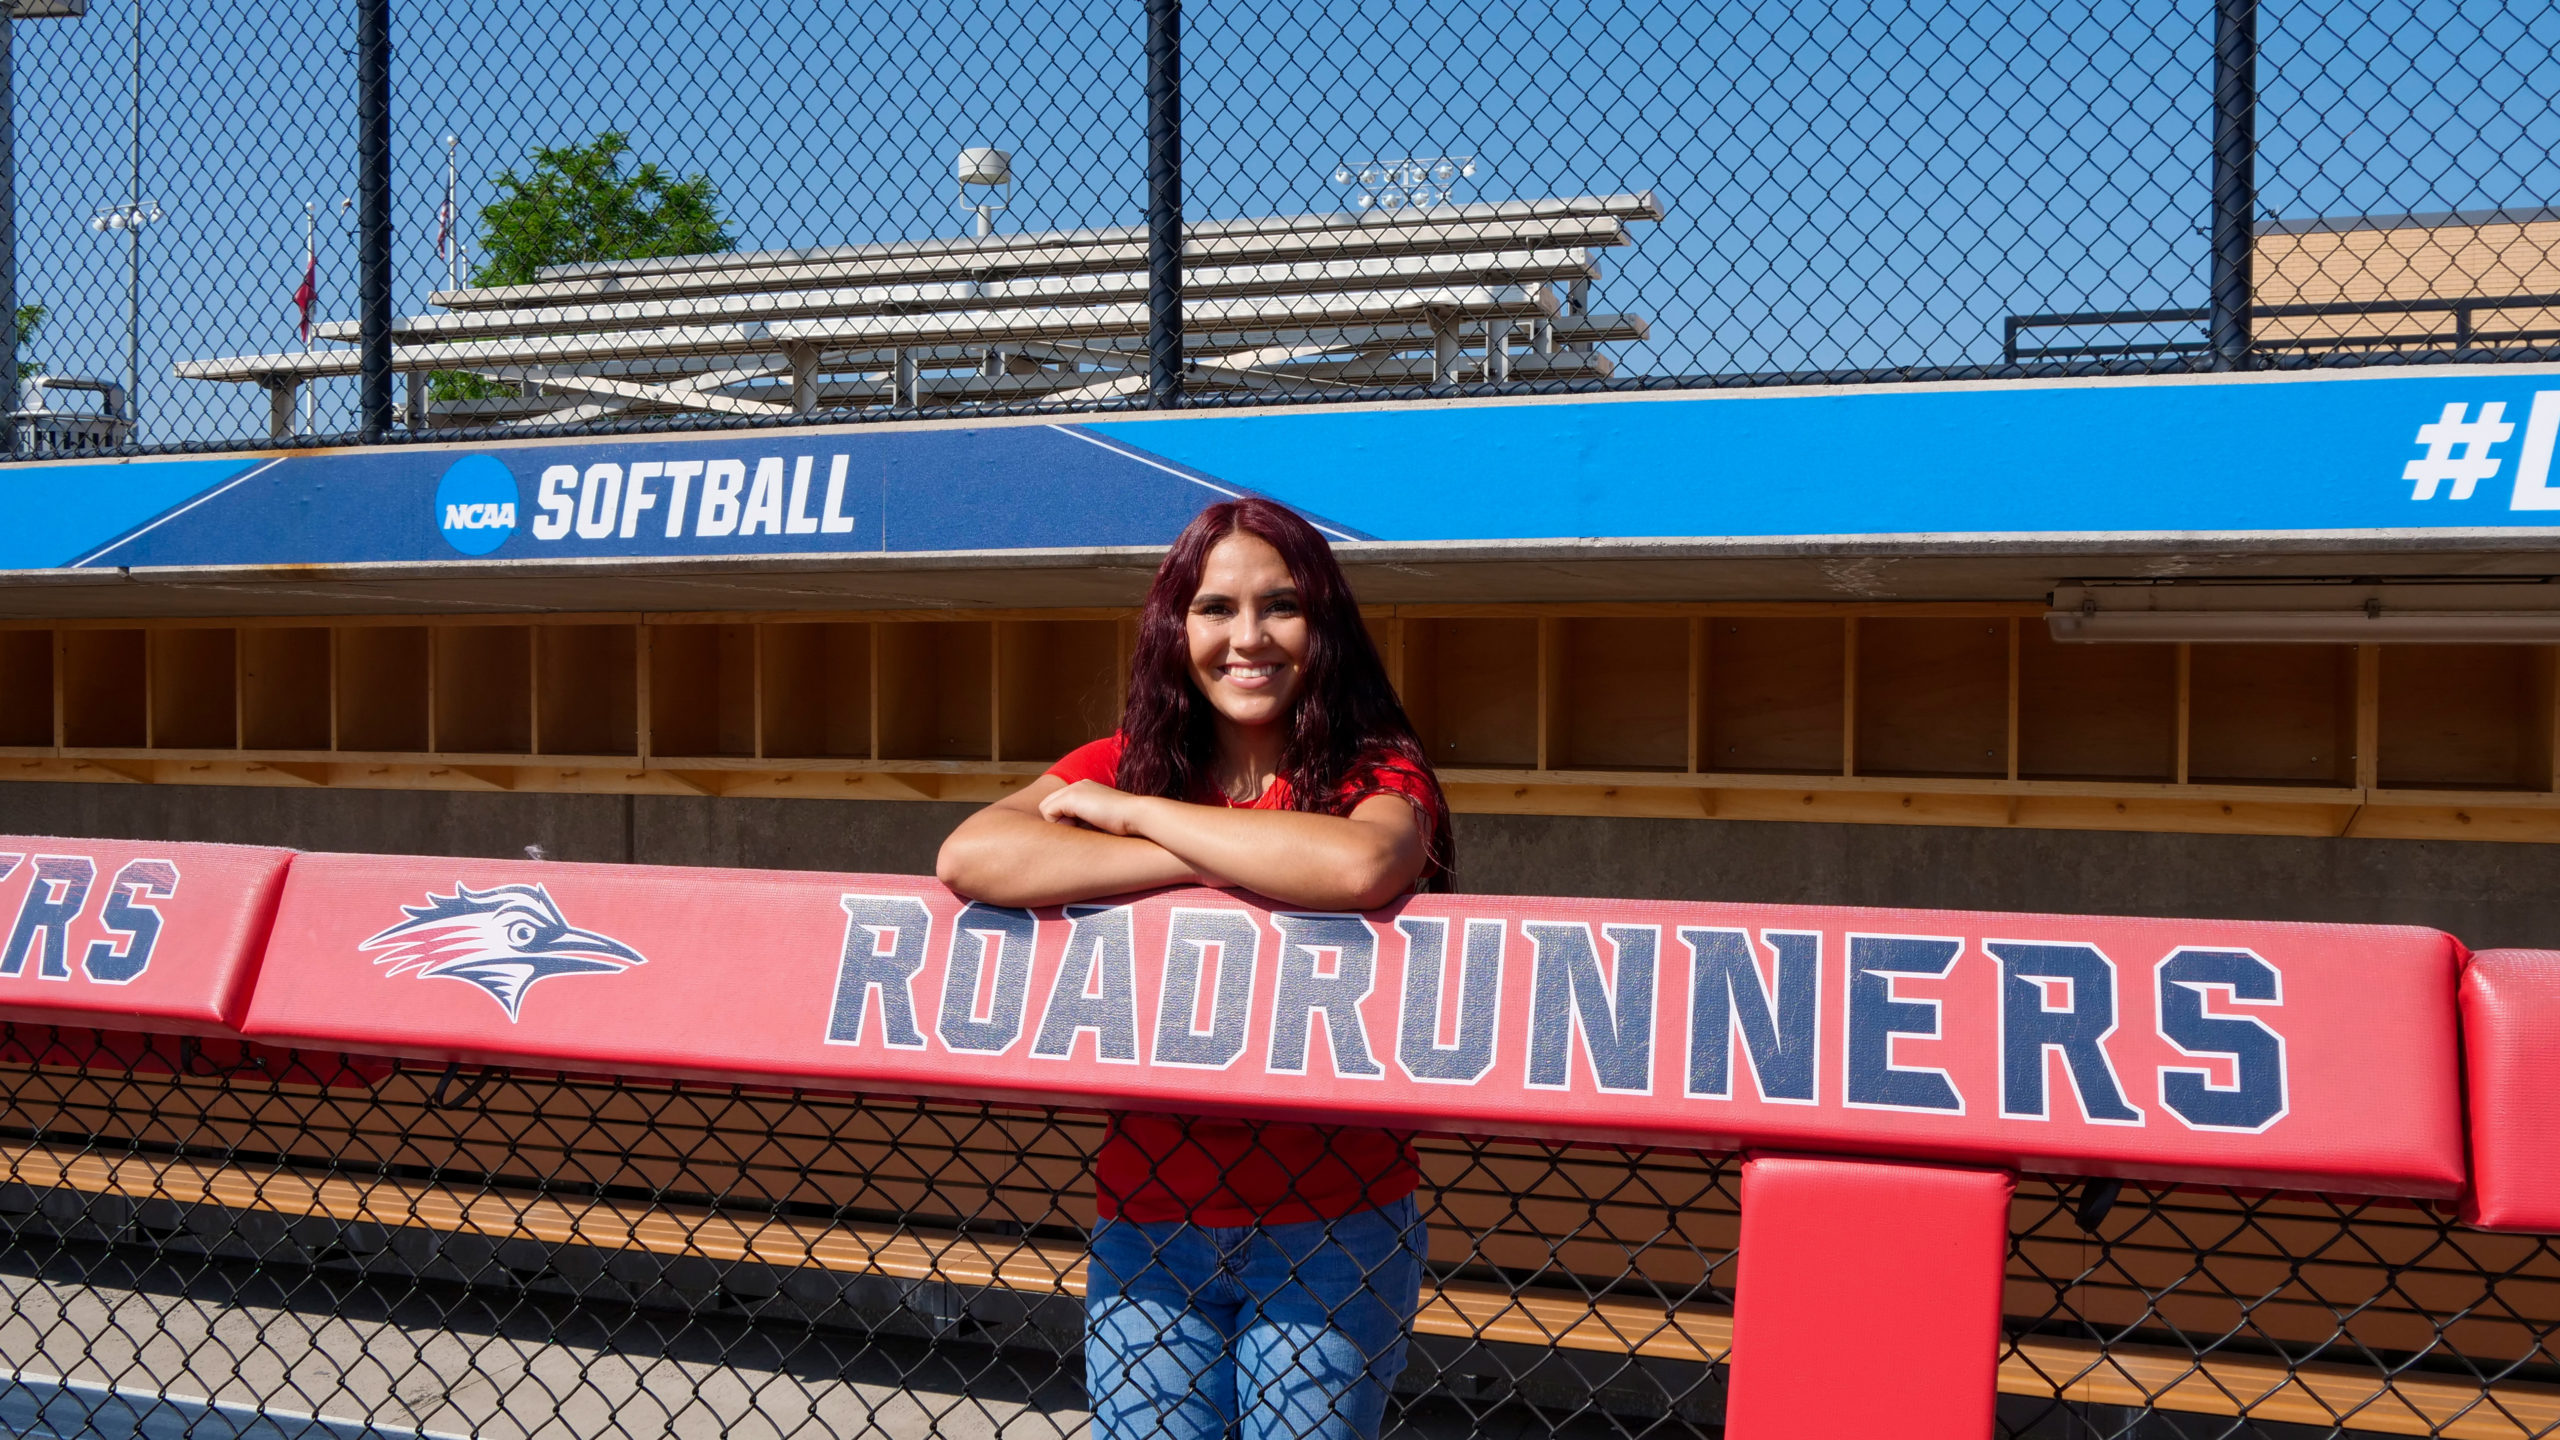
1485 293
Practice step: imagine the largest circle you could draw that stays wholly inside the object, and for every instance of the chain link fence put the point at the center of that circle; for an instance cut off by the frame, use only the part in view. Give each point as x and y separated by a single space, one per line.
597 216
206 1240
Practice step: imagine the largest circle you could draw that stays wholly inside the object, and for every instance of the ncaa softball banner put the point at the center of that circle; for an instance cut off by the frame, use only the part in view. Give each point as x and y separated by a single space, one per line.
2447 453
2275 1054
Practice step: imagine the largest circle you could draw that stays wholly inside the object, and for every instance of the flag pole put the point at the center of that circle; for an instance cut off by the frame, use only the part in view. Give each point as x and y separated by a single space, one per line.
310 267
452 225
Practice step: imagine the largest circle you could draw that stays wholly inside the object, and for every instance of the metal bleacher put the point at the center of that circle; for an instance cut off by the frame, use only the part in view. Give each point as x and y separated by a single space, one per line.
1302 304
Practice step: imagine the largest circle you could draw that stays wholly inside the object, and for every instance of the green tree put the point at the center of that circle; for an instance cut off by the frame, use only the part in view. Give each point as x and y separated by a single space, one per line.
29 317
580 204
583 204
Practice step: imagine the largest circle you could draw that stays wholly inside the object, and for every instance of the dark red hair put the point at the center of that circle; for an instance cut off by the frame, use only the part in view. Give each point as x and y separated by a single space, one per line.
1346 716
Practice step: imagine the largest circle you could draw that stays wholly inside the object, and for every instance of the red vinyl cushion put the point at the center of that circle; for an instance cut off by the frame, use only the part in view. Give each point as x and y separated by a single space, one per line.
741 976
2511 1055
133 935
1868 1300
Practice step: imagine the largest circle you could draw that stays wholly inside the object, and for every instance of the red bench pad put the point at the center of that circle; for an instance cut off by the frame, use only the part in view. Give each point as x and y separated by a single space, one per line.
2278 1054
2511 1050
133 934
1838 1256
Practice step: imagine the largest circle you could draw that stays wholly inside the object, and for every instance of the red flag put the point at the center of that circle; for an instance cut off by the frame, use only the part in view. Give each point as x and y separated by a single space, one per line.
308 291
444 228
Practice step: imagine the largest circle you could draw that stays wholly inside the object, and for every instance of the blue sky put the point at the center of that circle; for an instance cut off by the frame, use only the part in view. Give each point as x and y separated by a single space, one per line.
1850 185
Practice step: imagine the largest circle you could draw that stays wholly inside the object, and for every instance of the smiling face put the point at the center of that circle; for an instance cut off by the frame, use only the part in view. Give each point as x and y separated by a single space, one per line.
1247 633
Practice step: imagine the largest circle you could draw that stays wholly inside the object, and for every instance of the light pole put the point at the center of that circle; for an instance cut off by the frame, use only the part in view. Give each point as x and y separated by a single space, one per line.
129 218
12 11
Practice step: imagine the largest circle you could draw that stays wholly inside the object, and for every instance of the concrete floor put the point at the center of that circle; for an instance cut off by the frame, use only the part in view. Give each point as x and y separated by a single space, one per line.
500 1368
46 1408
117 1341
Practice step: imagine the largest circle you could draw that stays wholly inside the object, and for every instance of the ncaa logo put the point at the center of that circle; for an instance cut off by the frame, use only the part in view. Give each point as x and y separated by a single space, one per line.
476 504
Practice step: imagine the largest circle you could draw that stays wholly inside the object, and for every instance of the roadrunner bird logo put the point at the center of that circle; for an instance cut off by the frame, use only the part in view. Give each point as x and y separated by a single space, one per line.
501 939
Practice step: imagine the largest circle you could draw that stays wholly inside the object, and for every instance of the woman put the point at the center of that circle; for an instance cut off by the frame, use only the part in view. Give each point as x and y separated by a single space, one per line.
1247 1279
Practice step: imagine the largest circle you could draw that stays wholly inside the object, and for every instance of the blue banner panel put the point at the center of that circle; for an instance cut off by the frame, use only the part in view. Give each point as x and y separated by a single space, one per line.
2118 457
776 493
52 515
2442 453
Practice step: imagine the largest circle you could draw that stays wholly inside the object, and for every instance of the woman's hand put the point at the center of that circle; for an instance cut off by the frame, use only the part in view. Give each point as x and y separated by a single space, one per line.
1055 842
1098 806
1015 853
1358 861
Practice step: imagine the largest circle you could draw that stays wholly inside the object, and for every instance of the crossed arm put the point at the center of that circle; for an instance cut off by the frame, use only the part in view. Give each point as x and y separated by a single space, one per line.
1054 842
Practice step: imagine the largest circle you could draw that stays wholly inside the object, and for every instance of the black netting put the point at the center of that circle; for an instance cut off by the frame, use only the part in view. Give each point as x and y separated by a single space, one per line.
205 1240
712 215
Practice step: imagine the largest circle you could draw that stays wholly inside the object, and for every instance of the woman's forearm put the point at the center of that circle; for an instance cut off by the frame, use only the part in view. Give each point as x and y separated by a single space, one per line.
1029 850
1005 857
1323 862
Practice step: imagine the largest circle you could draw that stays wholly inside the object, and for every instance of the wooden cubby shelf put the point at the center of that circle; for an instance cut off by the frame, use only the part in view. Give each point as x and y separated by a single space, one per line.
1909 714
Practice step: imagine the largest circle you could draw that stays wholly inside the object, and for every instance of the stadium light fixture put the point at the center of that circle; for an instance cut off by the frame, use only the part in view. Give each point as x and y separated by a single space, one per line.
126 217
1408 182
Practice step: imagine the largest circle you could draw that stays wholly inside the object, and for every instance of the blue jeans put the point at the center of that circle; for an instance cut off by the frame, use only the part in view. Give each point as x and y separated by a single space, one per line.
1262 1332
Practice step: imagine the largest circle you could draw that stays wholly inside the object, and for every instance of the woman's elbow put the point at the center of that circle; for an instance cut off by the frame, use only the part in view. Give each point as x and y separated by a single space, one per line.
1377 894
1379 879
959 867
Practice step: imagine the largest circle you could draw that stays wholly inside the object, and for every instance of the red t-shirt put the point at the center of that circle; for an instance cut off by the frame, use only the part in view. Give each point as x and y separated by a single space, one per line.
1155 1168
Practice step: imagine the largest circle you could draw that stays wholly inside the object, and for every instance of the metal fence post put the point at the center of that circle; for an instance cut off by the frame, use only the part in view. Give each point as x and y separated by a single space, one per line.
1164 203
2235 176
8 233
373 210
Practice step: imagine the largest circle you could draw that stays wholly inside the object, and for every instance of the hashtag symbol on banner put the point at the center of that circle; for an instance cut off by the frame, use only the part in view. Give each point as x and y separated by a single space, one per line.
2448 433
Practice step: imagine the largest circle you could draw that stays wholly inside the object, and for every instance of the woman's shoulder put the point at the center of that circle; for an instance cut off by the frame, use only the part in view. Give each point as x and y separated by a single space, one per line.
1386 768
1093 760
1394 770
